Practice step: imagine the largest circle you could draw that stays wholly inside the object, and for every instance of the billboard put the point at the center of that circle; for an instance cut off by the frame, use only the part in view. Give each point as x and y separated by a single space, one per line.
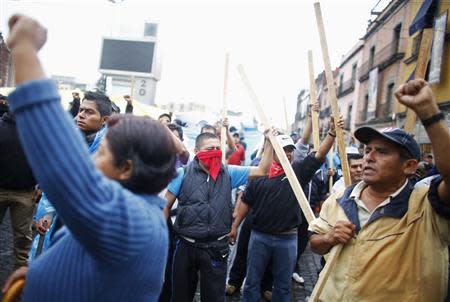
128 57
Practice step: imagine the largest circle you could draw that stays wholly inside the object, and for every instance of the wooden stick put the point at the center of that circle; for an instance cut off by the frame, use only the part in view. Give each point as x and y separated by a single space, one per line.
223 132
301 199
330 178
421 70
341 144
313 100
285 115
332 95
132 87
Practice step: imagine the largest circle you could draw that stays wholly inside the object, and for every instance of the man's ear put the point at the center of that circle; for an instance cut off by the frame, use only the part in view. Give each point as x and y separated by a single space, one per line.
196 150
105 119
126 170
410 166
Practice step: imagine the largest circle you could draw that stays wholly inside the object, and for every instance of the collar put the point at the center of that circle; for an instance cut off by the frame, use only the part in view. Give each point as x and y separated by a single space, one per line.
396 207
357 190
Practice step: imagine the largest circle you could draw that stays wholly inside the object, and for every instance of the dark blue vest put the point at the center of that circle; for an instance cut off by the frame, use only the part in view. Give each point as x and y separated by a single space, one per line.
204 206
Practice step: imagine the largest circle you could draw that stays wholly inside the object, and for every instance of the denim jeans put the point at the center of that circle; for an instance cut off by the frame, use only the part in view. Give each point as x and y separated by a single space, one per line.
282 250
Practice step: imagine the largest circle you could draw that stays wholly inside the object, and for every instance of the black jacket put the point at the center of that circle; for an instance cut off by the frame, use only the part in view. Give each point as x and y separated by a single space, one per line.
15 173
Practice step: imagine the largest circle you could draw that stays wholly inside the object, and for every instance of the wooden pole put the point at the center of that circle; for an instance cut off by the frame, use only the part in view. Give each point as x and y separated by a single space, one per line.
421 70
133 80
330 178
313 100
332 94
336 250
301 199
223 130
286 115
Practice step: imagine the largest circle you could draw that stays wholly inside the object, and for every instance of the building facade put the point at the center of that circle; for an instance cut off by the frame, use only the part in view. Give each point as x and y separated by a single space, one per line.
384 49
348 85
6 71
441 90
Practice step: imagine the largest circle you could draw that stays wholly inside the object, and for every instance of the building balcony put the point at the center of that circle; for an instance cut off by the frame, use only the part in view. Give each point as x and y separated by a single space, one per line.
383 58
346 88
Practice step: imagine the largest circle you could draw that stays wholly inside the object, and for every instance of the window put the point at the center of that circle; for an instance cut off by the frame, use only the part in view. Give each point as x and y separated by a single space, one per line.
366 107
349 116
354 67
389 98
416 44
396 38
372 57
341 82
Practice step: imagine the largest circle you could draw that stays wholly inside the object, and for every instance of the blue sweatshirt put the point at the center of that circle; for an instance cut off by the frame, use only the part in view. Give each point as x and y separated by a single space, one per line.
114 245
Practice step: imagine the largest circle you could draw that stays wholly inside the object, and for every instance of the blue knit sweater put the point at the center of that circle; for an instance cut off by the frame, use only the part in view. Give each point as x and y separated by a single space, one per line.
114 245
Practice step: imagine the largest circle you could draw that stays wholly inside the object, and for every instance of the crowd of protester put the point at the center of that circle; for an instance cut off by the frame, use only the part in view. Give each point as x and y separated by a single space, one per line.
123 211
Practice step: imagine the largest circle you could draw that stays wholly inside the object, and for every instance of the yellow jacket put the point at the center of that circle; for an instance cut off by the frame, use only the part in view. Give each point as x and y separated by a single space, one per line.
401 254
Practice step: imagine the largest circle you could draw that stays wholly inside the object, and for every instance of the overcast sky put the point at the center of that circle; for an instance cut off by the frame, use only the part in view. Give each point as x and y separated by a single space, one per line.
269 37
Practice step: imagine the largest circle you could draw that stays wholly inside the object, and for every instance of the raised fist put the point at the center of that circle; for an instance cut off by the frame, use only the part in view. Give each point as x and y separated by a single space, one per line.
25 31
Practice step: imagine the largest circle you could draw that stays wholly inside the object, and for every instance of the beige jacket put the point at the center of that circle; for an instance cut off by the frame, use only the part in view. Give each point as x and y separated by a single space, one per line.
401 254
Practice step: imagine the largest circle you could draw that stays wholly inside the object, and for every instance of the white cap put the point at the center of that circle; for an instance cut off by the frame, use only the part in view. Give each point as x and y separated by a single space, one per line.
285 140
351 151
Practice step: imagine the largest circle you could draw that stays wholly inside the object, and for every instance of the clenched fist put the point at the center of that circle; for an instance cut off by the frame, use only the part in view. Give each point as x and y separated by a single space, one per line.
25 31
342 232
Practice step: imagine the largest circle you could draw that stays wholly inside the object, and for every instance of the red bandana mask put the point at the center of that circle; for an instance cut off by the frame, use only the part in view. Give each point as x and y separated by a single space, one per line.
211 160
275 170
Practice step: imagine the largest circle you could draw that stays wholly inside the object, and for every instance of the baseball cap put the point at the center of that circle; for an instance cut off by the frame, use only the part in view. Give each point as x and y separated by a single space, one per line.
285 140
394 135
350 150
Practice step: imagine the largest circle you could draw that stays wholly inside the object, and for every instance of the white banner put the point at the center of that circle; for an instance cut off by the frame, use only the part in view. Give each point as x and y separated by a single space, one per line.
437 51
372 91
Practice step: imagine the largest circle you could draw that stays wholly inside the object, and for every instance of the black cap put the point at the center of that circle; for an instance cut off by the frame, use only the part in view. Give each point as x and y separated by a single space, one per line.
394 135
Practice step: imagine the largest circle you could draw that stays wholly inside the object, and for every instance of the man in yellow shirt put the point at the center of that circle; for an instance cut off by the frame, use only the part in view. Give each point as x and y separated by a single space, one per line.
395 235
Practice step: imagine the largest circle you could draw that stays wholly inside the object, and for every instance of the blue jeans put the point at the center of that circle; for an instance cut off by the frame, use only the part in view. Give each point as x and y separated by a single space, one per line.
282 249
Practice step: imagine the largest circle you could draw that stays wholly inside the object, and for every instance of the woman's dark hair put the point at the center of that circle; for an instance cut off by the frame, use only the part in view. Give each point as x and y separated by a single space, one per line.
150 148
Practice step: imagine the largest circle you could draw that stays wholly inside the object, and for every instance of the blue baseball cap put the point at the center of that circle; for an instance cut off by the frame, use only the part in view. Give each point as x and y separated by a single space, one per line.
394 135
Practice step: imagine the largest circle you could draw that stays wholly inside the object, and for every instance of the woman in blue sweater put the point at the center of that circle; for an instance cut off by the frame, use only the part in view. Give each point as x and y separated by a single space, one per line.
114 243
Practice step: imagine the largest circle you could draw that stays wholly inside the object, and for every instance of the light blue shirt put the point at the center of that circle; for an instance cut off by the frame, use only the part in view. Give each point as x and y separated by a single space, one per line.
238 174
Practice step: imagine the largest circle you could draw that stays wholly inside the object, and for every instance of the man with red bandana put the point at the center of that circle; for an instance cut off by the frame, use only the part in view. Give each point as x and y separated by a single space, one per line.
204 218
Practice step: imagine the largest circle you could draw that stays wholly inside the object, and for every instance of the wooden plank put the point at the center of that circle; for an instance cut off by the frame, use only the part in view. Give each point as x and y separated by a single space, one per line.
331 260
421 70
313 100
223 130
332 94
301 198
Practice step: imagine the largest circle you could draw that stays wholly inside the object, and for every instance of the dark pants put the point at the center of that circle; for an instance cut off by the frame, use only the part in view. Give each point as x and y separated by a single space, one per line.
282 249
188 260
239 266
21 207
302 241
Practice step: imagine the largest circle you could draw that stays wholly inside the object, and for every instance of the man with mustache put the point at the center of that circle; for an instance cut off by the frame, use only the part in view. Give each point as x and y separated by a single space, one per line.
395 235
204 218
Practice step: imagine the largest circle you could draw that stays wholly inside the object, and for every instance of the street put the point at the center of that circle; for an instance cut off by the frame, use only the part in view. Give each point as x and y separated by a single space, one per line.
309 265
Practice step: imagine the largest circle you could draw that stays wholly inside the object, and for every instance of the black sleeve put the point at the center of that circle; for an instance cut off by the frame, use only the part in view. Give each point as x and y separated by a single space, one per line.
306 168
248 196
441 208
129 108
